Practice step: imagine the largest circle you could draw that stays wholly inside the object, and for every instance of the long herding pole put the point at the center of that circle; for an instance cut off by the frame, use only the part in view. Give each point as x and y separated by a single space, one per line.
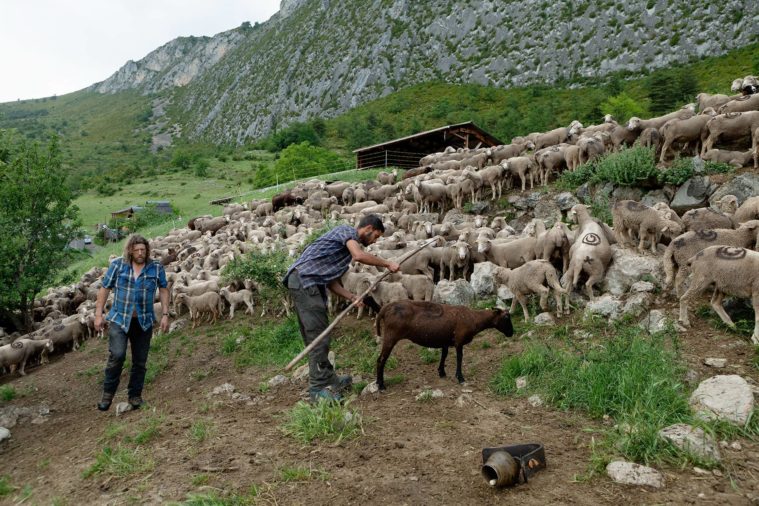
339 317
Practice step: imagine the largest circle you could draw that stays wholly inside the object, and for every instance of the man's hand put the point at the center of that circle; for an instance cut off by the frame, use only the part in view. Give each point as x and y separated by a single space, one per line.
393 267
98 323
165 323
359 302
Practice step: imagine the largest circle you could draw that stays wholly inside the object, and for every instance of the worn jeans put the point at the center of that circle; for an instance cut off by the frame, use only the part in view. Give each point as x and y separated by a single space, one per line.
311 307
117 345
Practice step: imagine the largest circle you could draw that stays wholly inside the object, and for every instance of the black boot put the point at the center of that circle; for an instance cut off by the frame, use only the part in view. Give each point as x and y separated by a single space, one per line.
136 402
105 401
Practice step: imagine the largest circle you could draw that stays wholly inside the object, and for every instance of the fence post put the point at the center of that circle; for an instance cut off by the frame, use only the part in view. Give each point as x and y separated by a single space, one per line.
386 159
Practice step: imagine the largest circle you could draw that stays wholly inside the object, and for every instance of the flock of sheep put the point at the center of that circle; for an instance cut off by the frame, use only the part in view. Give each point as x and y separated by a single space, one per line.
713 245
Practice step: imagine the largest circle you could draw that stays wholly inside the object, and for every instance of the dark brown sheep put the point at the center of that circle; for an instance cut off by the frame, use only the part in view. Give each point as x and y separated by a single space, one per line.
285 199
434 325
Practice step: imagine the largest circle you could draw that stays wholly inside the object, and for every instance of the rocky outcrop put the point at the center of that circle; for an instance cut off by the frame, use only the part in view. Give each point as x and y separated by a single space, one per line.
727 397
323 57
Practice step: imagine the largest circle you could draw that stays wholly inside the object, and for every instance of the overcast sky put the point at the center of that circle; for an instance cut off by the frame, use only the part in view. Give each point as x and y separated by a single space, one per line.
54 47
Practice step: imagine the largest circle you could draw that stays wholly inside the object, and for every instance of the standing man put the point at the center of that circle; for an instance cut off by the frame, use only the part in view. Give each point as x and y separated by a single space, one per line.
319 267
134 277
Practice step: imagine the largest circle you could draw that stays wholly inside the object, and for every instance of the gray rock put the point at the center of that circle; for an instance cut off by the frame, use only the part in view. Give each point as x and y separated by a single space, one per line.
628 267
535 401
583 192
454 216
482 280
726 397
122 408
630 473
301 373
642 286
504 293
525 203
627 193
430 394
655 321
545 319
565 201
226 388
370 389
548 211
694 193
458 293
691 439
654 197
4 434
480 207
521 382
742 186
277 380
717 363
178 325
464 400
331 358
606 305
636 304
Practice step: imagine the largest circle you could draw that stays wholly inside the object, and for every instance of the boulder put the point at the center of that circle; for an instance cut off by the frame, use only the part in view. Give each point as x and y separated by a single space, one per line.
627 193
504 293
548 211
691 439
655 321
726 397
637 304
743 186
654 197
606 305
545 319
583 192
4 434
525 203
458 292
717 363
630 473
480 207
482 280
628 267
455 216
694 193
565 201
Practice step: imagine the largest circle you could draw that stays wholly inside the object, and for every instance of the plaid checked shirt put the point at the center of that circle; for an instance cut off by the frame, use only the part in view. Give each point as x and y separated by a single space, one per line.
133 295
325 259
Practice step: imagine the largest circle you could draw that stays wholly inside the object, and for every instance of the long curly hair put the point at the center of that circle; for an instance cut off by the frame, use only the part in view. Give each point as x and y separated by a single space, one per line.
133 240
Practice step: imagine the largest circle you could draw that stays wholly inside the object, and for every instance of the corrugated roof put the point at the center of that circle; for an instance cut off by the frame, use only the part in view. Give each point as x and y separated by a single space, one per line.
420 134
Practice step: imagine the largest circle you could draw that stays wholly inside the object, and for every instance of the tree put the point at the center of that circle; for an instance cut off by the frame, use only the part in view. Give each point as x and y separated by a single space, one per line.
37 221
662 90
622 107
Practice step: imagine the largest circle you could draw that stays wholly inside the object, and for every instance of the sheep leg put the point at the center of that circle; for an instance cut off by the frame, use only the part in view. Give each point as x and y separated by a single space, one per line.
755 303
232 310
698 284
387 348
523 302
459 359
716 304
443 356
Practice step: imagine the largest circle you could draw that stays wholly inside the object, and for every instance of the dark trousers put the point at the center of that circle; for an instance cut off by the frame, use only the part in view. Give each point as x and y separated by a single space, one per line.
117 345
311 308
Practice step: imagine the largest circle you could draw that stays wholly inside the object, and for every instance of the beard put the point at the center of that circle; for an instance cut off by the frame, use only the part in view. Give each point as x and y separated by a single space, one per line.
138 260
365 238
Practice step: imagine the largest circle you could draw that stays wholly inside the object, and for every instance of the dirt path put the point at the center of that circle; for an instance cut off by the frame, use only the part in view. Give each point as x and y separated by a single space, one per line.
411 452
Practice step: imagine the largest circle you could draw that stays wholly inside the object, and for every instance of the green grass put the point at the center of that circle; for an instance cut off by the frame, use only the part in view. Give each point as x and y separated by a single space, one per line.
8 393
429 355
120 461
326 421
148 429
267 344
213 499
5 486
301 473
201 430
742 316
200 479
358 352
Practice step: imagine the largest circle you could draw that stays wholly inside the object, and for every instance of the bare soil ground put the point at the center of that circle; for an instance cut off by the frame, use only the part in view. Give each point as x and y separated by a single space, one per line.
411 452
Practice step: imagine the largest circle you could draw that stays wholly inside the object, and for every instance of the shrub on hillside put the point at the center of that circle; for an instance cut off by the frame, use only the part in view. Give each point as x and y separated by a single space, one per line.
299 161
266 269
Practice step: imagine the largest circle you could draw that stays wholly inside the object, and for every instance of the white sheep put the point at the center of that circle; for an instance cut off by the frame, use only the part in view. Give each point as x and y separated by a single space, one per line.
235 298
590 252
532 277
207 303
732 271
632 217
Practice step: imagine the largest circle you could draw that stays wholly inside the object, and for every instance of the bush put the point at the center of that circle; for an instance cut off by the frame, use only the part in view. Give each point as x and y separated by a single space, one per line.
299 161
629 167
266 269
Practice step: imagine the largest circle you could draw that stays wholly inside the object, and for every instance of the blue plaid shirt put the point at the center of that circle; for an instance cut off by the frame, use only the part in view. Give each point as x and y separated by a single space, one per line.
133 295
326 259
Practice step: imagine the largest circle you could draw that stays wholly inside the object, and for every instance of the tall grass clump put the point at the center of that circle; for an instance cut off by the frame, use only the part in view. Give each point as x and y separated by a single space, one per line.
266 269
632 378
267 344
326 421
120 461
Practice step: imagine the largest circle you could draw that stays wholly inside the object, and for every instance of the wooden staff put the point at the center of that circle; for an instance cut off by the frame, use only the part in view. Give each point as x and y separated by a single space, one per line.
339 317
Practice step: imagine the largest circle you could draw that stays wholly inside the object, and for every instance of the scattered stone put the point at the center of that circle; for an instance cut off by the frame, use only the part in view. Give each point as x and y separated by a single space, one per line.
655 321
548 211
630 473
331 358
719 363
606 305
371 388
545 319
742 186
583 192
463 400
4 434
504 293
122 408
430 394
628 267
279 379
226 388
178 325
700 472
654 197
482 280
691 439
240 397
521 382
535 401
694 193
642 286
457 293
565 201
39 420
627 193
301 373
735 445
717 472
691 376
480 207
582 334
726 397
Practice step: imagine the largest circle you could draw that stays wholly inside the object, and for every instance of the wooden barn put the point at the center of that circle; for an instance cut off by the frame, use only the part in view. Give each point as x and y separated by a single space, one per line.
406 151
